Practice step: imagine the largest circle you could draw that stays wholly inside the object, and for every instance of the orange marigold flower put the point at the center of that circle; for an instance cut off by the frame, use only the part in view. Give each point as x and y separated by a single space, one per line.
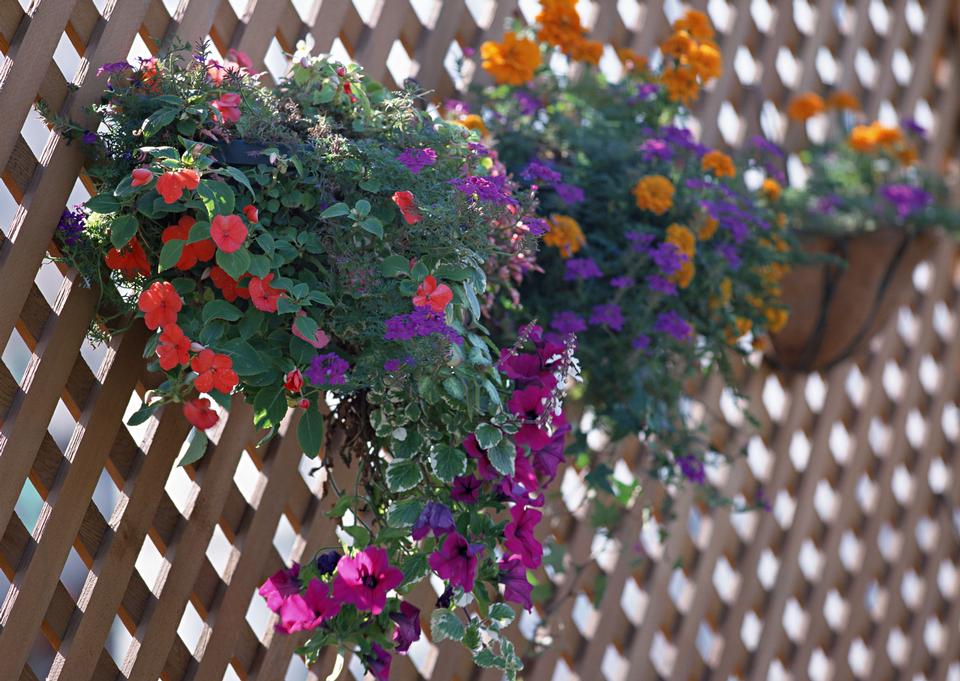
681 84
863 138
588 51
907 155
843 99
708 229
632 61
473 122
214 371
771 189
513 61
565 234
654 193
681 237
726 291
559 23
678 46
886 134
684 275
160 304
696 23
707 61
804 106
718 163
744 326
777 318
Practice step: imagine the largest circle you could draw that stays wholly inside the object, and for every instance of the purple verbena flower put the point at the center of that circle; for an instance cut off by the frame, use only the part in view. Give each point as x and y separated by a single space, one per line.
622 282
729 253
569 193
327 369
641 342
668 258
529 105
421 322
538 171
765 145
661 285
670 322
72 224
568 322
608 315
579 269
416 160
491 189
537 226
654 149
692 468
906 199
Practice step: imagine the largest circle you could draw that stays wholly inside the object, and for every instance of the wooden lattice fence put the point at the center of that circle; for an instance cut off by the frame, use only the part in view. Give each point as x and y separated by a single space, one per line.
116 565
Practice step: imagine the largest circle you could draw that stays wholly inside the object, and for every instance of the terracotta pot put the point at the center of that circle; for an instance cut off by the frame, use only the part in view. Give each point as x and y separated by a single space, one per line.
836 310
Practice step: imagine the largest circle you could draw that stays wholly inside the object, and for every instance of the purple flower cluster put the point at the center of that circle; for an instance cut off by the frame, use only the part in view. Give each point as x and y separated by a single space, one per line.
622 282
661 285
392 365
492 189
671 323
538 171
906 199
71 225
644 92
537 226
641 342
668 258
529 105
730 254
568 322
913 128
421 322
579 269
640 241
607 315
654 149
113 67
328 369
416 160
569 193
766 146
692 468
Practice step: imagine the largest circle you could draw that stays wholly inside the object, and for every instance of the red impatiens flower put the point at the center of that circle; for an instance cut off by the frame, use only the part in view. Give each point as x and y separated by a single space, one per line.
408 207
174 347
199 413
363 580
228 286
228 232
228 106
263 295
293 381
251 213
141 176
200 251
160 304
437 296
130 260
214 371
172 183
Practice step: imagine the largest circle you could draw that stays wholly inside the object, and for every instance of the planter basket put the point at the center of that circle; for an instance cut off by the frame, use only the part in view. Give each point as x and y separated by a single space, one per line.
836 310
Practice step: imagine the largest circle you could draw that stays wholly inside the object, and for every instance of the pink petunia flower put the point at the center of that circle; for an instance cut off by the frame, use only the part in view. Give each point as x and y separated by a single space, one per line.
364 579
456 561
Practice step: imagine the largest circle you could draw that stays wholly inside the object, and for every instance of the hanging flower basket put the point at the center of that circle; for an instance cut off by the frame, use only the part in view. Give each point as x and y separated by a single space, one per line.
834 309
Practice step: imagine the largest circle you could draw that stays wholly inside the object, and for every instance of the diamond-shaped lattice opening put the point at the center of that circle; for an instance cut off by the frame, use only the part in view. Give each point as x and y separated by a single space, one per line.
41 657
284 536
875 600
759 458
399 63
825 501
929 374
893 380
775 399
633 601
118 641
767 568
66 58
247 477
149 563
585 616
29 505
788 68
866 68
939 476
726 580
191 625
74 574
860 659
681 590
898 647
890 542
835 610
795 620
614 666
840 443
879 17
709 644
663 654
219 550
784 507
912 588
916 428
934 636
826 65
275 60
815 392
810 560
902 485
820 667
850 551
750 630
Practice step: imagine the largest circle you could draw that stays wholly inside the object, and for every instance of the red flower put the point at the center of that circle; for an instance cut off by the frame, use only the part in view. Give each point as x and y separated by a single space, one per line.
228 106
215 371
200 251
150 74
160 304
293 381
131 260
408 207
263 295
199 413
228 285
141 176
174 348
432 294
172 183
251 213
229 232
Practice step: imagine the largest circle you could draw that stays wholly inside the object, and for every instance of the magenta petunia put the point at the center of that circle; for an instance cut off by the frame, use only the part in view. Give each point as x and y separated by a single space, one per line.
456 561
519 536
516 587
378 662
528 403
436 518
408 626
309 610
484 469
466 489
280 586
364 579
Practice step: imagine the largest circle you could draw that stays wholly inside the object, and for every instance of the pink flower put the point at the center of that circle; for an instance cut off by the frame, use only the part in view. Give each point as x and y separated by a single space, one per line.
303 612
240 57
456 561
141 176
280 585
364 579
228 106
251 213
228 232
319 340
519 539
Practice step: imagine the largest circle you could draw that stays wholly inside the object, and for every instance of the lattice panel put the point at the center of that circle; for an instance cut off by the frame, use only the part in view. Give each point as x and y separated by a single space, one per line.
854 573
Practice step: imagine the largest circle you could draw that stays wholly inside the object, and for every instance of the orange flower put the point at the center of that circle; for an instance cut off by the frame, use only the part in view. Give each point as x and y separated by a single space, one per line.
432 295
863 138
718 163
200 251
697 24
130 260
680 83
706 61
263 295
588 51
228 232
777 318
804 106
771 189
684 275
678 46
654 193
559 23
631 60
172 183
473 122
513 61
708 229
199 413
565 234
843 99
214 371
174 348
681 237
160 304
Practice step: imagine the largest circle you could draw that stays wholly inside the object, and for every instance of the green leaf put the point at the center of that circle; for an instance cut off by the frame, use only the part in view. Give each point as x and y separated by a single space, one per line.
235 264
221 309
341 507
103 204
403 475
122 230
307 326
445 624
414 568
142 414
503 457
362 207
453 273
472 301
157 120
488 435
454 387
199 232
246 360
448 462
486 658
196 449
270 405
335 211
372 225
217 197
170 254
310 432
394 265
404 513
360 534
501 615
239 176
